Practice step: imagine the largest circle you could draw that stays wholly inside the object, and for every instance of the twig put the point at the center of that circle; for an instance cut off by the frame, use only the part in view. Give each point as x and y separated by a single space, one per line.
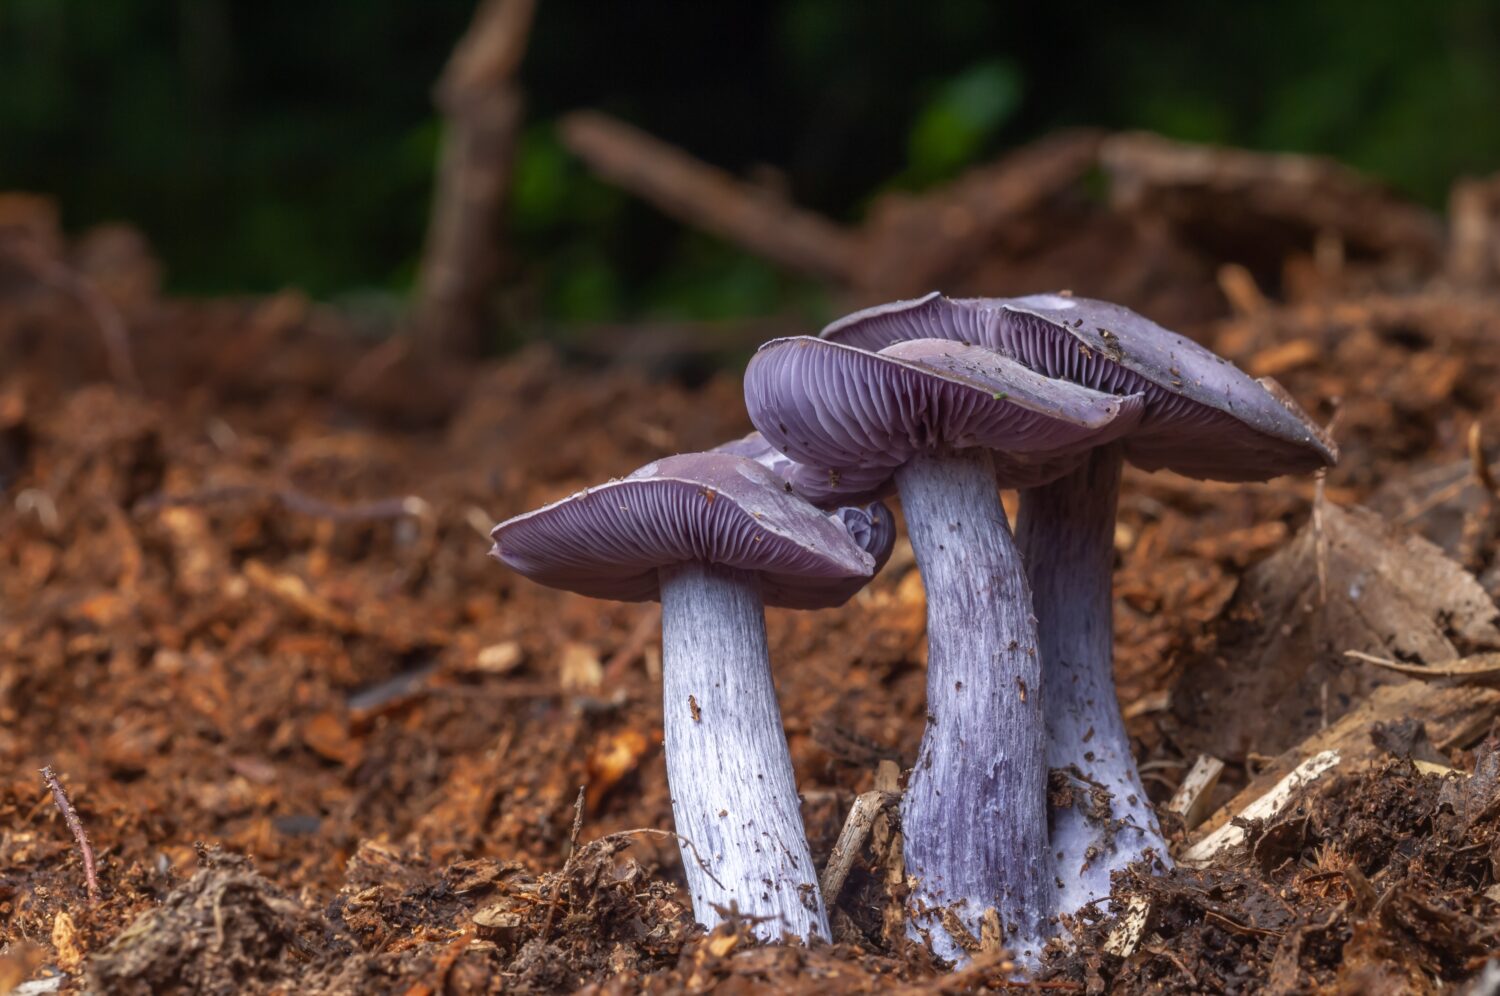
709 198
1478 669
567 862
1238 286
1125 936
1482 471
1191 799
297 502
1320 537
481 106
916 243
1264 808
70 817
654 832
634 645
112 331
1480 522
888 845
852 837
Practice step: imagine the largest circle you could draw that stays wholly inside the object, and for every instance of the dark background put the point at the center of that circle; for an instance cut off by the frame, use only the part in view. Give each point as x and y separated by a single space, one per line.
262 144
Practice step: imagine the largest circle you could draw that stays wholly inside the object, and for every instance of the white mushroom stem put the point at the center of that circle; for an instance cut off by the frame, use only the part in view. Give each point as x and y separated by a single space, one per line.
734 797
975 814
1066 533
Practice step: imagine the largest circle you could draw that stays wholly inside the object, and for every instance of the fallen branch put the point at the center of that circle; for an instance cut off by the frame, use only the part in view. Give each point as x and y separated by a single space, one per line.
482 111
706 197
70 817
917 243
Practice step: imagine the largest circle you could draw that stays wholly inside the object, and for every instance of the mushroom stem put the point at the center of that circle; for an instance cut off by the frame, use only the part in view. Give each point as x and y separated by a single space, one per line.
734 797
975 813
1066 532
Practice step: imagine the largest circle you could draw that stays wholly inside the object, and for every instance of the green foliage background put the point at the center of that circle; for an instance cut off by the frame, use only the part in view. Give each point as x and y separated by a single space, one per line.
261 144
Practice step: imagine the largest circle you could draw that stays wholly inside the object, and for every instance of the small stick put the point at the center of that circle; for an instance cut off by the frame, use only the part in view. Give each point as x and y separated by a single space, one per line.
112 329
1320 539
295 502
1480 521
1126 935
1192 797
572 849
1482 472
64 806
633 647
852 837
1479 669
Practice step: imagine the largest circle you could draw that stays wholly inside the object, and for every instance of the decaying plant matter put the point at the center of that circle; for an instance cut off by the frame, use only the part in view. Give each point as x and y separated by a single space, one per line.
397 731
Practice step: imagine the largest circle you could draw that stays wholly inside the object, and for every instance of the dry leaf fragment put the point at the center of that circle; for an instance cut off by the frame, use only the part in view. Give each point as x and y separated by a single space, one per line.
65 942
615 757
580 670
1257 685
498 658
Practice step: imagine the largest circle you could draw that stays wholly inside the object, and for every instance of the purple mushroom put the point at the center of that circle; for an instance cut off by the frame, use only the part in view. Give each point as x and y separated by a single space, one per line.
714 536
935 419
1203 418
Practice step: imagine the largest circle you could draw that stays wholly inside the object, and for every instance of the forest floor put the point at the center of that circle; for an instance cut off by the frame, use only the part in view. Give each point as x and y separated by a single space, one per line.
321 743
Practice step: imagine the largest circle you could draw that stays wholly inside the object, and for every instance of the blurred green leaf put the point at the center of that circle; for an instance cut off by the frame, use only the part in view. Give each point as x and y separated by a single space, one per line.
961 116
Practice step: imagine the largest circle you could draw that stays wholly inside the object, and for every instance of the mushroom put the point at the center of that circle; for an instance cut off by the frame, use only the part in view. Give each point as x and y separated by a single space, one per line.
856 488
936 419
714 536
1203 418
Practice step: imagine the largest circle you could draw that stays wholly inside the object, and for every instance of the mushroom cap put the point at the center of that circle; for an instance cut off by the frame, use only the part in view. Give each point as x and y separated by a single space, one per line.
850 418
856 486
872 527
609 541
1204 417
869 522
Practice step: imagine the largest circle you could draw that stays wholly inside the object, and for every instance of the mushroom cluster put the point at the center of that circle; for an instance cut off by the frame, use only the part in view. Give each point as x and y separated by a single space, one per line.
943 403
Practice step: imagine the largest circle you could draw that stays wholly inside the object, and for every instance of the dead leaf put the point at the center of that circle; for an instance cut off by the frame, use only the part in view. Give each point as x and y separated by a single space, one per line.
720 945
498 658
1274 670
580 670
616 756
20 963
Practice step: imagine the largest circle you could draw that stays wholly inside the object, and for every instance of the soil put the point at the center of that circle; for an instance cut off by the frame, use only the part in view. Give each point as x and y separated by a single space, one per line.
322 743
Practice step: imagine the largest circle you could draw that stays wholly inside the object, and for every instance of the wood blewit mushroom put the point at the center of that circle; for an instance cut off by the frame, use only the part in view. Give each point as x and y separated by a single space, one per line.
1203 418
715 537
926 417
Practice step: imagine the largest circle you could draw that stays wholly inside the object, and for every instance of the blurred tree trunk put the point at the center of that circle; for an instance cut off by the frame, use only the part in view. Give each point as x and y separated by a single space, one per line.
482 109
